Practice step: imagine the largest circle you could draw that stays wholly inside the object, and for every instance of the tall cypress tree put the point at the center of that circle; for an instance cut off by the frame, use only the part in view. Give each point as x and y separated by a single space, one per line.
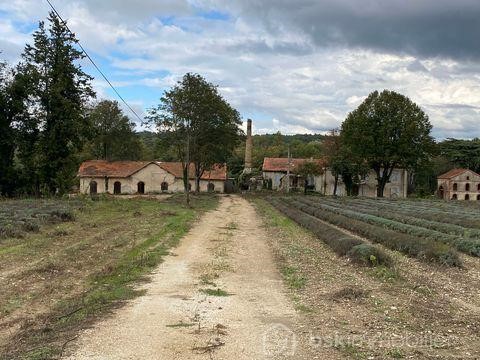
62 90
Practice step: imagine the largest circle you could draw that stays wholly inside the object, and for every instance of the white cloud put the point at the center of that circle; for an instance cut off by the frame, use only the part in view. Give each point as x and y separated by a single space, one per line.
279 74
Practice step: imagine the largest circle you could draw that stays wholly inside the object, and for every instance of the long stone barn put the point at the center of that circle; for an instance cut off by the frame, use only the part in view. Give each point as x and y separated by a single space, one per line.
275 172
144 177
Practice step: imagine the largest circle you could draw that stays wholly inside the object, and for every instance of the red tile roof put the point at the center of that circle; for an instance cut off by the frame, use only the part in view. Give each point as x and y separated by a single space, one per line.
455 172
122 169
218 171
281 164
102 168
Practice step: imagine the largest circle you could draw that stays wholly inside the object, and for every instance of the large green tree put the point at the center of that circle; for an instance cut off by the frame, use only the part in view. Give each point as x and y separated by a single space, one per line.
61 90
198 122
114 136
7 138
308 170
387 131
462 153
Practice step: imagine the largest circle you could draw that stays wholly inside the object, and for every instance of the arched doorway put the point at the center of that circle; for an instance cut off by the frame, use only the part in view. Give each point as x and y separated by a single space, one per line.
210 187
93 187
478 197
141 187
117 187
467 197
454 197
164 186
441 192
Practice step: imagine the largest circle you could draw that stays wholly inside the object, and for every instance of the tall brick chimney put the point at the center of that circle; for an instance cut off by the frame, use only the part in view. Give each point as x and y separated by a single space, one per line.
248 149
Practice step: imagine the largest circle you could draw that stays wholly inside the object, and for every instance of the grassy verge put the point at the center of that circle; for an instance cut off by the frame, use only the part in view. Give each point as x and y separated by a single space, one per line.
87 270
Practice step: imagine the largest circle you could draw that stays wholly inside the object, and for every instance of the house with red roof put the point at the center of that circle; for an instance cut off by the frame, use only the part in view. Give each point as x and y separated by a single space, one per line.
275 172
459 184
143 177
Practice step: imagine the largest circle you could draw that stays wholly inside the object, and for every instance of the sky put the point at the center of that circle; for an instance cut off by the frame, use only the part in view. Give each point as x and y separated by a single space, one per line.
292 66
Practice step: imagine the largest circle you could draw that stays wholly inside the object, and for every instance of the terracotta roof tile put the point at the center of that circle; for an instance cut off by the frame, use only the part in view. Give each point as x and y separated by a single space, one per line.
281 164
218 172
455 172
101 168
122 169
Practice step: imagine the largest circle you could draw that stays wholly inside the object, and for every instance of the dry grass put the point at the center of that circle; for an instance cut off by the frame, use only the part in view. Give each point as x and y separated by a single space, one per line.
62 278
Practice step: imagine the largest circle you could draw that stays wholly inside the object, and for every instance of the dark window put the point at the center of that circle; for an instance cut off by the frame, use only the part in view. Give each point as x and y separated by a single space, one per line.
478 187
93 187
141 187
468 177
467 187
117 187
478 197
455 187
467 197
210 187
164 186
454 197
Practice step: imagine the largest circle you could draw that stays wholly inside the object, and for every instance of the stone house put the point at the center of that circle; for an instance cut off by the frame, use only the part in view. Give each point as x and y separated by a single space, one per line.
143 177
459 184
275 172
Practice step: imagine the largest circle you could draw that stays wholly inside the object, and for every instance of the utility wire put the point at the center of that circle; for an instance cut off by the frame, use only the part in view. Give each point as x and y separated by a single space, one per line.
95 65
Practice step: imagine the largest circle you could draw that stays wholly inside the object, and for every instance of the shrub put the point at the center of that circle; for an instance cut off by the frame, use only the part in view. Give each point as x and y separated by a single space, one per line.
424 249
336 239
369 255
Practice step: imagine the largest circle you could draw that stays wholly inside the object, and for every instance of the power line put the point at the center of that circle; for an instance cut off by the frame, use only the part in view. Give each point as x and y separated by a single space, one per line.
95 65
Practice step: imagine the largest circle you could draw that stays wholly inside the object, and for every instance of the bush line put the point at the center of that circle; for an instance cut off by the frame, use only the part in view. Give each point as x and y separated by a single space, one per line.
420 248
342 244
468 246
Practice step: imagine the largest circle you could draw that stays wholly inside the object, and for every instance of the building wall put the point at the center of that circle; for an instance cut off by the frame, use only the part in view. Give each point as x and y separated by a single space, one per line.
461 180
152 176
325 183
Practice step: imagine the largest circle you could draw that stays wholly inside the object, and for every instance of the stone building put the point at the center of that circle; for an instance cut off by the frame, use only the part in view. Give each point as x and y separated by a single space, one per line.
275 172
459 184
143 177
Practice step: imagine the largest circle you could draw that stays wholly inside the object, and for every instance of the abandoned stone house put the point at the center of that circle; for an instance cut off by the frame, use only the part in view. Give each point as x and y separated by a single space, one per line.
459 184
143 177
275 172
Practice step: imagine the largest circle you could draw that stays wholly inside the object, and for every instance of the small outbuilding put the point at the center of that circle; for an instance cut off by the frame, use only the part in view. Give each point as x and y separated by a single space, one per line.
143 177
459 184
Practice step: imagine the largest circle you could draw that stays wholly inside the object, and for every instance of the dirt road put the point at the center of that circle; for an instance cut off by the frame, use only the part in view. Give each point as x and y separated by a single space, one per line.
218 296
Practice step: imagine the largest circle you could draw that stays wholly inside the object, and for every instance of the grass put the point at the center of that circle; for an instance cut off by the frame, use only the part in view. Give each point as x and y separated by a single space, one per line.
293 278
215 292
82 271
181 325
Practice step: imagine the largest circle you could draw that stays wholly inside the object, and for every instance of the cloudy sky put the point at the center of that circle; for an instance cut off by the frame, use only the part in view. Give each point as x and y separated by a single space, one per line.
295 66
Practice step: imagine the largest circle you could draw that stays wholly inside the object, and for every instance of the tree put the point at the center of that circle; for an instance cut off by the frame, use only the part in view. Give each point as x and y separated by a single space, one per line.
61 90
462 153
114 134
387 131
201 125
7 138
306 170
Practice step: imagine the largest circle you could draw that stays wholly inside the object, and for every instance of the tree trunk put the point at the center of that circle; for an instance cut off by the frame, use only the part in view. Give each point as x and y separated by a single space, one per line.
335 185
382 178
